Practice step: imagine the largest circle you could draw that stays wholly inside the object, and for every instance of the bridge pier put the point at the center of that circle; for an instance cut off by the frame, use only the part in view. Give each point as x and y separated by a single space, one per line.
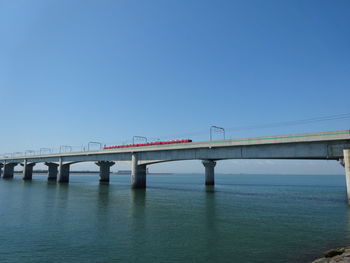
63 172
1 165
209 171
104 170
346 153
8 170
52 171
138 173
27 170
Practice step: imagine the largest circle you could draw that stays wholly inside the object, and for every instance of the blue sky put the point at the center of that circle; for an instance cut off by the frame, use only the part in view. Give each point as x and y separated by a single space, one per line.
78 71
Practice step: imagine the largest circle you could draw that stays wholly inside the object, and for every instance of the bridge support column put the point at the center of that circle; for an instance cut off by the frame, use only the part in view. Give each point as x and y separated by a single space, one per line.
8 170
209 171
104 170
63 172
27 170
52 171
1 165
347 171
138 173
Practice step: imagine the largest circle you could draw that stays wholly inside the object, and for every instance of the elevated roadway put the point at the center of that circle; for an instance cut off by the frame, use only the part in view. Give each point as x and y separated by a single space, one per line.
332 145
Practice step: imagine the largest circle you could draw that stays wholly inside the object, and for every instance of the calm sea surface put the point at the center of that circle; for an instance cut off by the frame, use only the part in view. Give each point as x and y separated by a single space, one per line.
244 218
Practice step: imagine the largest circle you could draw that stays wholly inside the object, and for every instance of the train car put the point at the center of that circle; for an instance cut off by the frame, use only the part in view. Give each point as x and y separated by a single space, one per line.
147 144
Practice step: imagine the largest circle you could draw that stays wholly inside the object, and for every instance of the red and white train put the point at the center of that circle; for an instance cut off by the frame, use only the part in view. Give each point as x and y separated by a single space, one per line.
147 144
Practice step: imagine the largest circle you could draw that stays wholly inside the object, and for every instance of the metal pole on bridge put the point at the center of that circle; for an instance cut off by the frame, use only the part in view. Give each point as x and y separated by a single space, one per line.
65 147
45 150
138 137
217 128
100 144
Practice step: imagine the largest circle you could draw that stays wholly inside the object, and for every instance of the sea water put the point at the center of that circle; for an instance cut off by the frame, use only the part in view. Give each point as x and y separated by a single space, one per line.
244 218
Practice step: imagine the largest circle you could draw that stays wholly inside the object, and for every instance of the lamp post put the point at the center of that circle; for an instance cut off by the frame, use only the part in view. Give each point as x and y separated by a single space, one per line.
217 128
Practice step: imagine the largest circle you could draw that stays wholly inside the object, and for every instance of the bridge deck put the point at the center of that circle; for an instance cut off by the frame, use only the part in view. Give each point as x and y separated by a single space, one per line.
331 136
333 145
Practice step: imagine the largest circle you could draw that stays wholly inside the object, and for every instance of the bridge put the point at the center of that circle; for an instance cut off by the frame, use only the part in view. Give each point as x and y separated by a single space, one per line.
332 145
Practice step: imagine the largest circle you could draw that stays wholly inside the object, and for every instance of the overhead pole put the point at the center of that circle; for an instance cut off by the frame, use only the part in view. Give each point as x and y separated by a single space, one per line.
138 137
213 127
65 147
45 150
100 144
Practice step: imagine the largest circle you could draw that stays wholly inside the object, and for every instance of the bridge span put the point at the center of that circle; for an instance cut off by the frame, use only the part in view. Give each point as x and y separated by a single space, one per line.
332 145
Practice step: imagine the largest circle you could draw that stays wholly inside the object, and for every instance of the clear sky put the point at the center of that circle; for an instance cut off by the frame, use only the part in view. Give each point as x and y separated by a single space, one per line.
78 71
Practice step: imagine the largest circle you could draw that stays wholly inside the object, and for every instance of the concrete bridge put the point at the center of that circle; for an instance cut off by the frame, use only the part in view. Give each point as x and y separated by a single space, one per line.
333 145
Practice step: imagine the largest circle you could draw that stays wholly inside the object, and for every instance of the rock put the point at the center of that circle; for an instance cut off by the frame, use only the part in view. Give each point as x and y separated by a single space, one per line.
337 255
321 260
334 252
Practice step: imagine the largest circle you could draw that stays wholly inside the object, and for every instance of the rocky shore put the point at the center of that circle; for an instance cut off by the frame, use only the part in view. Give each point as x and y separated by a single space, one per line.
337 255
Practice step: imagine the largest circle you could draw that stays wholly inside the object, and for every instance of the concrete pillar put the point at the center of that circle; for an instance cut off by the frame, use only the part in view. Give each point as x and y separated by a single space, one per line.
347 171
63 172
138 173
209 171
8 170
52 171
1 165
27 170
104 170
